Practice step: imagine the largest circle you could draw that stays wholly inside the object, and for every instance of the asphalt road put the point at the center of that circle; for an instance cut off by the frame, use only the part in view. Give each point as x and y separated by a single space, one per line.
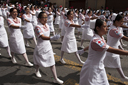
19 74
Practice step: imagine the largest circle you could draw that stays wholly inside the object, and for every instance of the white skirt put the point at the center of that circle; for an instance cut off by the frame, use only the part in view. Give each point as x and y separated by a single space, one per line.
17 44
69 45
90 75
87 34
3 40
44 59
112 62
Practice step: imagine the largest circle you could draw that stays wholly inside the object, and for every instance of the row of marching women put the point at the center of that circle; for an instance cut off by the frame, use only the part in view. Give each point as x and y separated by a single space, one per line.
39 23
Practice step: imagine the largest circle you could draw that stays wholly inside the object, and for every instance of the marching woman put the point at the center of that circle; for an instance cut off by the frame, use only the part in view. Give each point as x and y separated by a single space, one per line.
28 31
87 33
69 44
16 41
50 20
57 19
113 39
4 11
3 36
43 54
93 71
63 18
34 18
81 21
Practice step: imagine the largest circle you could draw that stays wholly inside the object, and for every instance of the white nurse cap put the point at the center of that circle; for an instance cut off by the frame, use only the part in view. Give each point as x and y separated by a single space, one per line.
87 11
114 16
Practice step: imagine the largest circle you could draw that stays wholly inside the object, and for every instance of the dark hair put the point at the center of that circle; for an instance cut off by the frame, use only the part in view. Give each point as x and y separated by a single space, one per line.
89 11
49 8
118 18
40 14
98 23
26 7
11 10
68 13
31 7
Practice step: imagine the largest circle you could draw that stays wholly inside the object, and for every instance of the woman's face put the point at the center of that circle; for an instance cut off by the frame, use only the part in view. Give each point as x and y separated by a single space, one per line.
14 13
70 16
27 10
43 19
32 7
50 10
119 23
103 29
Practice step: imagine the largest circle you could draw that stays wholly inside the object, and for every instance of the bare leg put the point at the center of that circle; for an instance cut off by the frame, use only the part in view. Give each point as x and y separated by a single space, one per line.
26 58
78 57
13 58
86 48
82 41
62 38
57 80
37 71
9 52
53 33
62 55
122 73
26 41
35 40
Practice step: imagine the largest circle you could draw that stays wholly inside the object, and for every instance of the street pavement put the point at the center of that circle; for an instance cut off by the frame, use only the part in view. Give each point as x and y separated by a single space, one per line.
19 74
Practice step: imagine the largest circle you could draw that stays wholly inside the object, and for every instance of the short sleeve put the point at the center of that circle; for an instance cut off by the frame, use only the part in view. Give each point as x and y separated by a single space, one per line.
38 31
99 45
24 17
67 23
9 22
115 33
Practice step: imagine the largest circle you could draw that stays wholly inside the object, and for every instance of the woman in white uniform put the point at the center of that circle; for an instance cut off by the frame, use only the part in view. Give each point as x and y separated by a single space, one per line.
4 12
16 41
57 19
69 44
93 71
81 21
4 37
87 34
28 31
43 54
113 39
50 20
34 18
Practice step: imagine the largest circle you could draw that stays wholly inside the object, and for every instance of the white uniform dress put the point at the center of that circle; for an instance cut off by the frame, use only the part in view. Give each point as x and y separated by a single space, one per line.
34 18
16 40
50 22
28 31
3 34
69 44
87 33
113 39
57 19
75 18
43 53
63 30
81 16
93 71
4 12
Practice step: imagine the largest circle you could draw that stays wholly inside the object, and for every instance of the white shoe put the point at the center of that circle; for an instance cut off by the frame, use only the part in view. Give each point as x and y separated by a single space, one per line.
38 74
82 62
80 52
62 61
29 64
58 81
13 60
82 46
54 53
27 45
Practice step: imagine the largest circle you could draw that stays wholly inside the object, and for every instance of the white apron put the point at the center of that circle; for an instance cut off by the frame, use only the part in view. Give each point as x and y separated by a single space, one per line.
43 53
16 40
